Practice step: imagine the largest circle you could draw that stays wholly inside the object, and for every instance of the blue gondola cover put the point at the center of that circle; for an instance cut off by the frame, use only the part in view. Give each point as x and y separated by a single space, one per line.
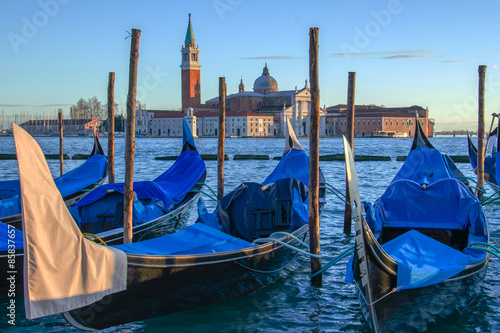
194 239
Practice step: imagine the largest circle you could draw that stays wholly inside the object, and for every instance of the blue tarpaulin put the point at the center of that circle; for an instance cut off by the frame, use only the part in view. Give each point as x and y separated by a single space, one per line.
293 164
90 172
194 239
159 196
423 261
424 165
16 238
445 204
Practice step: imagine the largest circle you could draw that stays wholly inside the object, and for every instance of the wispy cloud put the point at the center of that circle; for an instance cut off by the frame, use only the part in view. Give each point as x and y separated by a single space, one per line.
494 67
456 60
415 53
489 50
410 56
52 105
12 105
272 58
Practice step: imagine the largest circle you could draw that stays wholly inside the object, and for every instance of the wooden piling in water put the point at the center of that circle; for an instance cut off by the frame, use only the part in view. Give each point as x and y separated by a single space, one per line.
351 89
480 132
61 153
128 189
222 137
314 158
111 128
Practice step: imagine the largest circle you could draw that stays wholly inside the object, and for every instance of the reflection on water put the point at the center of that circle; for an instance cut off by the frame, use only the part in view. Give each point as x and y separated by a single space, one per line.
290 304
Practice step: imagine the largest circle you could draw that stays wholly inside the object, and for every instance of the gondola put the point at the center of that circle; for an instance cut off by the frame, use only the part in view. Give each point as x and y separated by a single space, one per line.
414 264
162 206
212 260
490 176
73 185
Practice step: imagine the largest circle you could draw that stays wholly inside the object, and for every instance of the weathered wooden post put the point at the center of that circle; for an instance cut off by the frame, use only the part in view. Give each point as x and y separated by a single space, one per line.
480 133
314 158
128 190
222 137
61 153
351 88
111 128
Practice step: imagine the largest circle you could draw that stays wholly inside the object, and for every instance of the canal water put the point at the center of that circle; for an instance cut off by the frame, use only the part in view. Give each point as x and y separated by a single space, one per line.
290 304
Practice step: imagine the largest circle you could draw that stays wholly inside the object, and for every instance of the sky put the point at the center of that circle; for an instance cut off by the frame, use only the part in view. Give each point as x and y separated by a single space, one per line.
404 52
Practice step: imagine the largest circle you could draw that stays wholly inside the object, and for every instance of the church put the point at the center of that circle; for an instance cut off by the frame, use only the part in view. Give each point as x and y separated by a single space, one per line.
261 112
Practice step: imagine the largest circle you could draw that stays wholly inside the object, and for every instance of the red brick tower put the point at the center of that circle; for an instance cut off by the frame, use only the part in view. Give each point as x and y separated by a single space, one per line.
190 71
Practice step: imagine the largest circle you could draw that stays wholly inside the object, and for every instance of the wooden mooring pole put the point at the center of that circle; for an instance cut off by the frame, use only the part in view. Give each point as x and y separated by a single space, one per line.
128 190
480 133
111 128
222 137
314 158
351 88
61 153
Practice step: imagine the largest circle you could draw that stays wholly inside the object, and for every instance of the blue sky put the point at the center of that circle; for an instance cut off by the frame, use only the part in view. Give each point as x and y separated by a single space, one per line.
406 52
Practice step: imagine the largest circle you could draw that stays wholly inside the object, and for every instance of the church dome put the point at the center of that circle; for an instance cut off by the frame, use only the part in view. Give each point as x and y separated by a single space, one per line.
265 83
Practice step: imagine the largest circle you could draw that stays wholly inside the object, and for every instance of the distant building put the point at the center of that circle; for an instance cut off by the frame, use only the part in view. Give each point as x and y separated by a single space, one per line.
70 126
371 120
261 112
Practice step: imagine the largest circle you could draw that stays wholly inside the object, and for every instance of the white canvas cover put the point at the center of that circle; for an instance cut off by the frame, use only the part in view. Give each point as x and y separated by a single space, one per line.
62 269
291 140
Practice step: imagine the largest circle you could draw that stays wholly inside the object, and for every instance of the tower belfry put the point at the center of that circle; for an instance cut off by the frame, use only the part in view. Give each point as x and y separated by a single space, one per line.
190 70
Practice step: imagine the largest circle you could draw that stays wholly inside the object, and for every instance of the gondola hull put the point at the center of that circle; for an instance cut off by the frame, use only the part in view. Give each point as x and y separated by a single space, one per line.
416 310
168 223
171 284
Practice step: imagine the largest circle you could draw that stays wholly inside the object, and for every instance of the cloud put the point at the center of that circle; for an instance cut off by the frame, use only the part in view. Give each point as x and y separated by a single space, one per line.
272 58
494 67
489 50
410 56
385 54
12 105
456 60
52 105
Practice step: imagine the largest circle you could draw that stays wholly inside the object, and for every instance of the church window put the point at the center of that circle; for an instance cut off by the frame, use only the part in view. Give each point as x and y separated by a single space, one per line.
358 122
185 57
397 123
260 104
373 123
363 123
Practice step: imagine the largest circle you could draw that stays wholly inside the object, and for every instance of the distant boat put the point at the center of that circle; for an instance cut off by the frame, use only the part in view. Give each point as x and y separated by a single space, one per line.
208 262
416 258
388 134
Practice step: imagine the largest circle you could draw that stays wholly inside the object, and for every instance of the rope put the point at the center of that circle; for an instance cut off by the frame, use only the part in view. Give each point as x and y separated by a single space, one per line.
93 238
208 195
296 249
490 199
487 247
206 185
476 188
336 192
334 261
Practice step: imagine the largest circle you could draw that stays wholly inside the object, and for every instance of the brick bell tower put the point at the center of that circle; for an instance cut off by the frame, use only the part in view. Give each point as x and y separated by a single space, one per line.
190 71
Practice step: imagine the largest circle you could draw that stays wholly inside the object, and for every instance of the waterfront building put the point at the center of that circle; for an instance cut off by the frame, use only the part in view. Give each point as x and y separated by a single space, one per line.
372 120
70 126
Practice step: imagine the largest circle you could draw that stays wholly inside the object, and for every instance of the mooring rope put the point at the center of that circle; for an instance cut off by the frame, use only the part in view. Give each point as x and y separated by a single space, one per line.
336 192
487 247
93 238
335 260
490 199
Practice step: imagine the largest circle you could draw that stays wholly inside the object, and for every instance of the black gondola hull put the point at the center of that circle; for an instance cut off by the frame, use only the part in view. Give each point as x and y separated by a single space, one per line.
159 286
416 310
